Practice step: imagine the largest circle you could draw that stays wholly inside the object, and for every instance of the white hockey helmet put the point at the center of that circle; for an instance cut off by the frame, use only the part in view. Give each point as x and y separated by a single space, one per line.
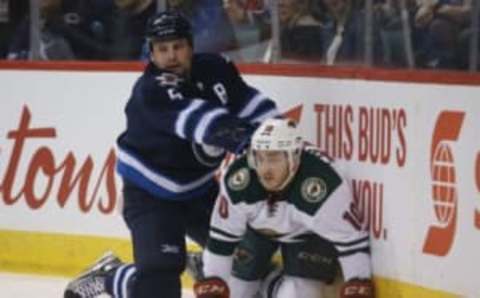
278 135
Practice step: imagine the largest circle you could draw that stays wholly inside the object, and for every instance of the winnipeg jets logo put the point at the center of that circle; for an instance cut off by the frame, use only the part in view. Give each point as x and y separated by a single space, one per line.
168 79
314 189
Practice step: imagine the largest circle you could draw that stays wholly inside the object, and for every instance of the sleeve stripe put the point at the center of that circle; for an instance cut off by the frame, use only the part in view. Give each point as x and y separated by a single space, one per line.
181 122
269 114
204 123
351 243
252 105
225 235
162 184
358 246
365 250
220 237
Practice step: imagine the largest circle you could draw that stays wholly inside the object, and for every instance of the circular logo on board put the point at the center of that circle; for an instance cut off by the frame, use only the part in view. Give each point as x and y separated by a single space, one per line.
314 190
239 180
444 190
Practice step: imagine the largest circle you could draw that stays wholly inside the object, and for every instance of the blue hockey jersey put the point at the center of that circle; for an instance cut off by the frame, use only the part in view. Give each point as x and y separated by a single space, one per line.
178 129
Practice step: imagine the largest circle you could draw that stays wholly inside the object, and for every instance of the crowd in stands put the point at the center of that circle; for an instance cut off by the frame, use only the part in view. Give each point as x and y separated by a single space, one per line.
331 32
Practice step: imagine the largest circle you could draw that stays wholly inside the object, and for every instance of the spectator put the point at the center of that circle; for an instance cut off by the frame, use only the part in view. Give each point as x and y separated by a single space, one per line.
126 27
251 30
388 17
464 48
53 45
300 32
438 25
212 29
11 14
344 34
83 23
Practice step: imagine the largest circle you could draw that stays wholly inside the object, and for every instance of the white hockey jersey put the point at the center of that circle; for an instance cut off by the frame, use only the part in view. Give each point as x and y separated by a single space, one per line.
318 200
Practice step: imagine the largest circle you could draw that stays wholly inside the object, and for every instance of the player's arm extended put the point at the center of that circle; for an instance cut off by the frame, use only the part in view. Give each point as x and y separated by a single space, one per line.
245 101
195 119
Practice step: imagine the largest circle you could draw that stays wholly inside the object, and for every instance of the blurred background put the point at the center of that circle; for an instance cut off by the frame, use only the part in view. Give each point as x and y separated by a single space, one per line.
413 34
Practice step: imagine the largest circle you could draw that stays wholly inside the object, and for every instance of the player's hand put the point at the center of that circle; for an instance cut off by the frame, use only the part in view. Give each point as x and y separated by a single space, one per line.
357 288
211 287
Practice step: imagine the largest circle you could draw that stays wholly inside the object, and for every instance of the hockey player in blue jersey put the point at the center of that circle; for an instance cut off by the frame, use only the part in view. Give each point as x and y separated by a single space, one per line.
185 112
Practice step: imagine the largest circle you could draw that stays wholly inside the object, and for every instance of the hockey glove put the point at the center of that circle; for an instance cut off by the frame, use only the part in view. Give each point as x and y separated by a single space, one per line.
211 287
357 288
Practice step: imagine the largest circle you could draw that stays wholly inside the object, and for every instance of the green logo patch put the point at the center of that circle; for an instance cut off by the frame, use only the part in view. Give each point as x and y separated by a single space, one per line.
239 180
314 189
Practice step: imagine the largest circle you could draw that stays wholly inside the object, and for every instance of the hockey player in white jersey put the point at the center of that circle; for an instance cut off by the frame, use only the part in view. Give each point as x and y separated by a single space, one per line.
283 196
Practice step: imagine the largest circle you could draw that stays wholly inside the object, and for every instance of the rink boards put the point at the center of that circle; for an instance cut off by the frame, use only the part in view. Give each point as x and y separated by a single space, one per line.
410 148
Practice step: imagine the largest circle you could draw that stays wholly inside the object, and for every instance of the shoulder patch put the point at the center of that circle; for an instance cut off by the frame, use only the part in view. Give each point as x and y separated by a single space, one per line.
314 189
168 79
226 58
239 180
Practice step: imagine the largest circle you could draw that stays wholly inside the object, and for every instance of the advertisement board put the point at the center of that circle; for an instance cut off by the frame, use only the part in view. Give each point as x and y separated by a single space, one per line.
411 152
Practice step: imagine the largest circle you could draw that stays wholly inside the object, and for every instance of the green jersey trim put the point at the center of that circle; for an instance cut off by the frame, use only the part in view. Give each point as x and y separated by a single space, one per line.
313 184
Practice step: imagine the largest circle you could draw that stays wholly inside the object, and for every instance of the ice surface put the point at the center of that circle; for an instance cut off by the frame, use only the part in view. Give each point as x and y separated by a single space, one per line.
32 286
